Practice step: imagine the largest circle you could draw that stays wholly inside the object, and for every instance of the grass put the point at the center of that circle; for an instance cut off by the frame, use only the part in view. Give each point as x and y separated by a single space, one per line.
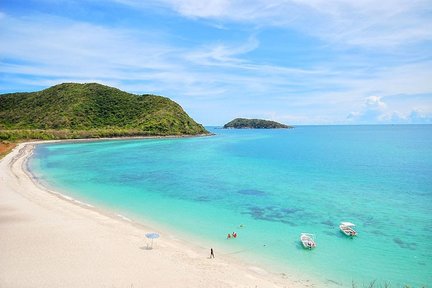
6 147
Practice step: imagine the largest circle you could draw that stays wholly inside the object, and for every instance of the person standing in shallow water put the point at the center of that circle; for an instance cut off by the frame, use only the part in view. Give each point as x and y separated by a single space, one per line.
211 253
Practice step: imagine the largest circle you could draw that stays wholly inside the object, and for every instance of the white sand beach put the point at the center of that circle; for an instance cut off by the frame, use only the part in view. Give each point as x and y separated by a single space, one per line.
49 241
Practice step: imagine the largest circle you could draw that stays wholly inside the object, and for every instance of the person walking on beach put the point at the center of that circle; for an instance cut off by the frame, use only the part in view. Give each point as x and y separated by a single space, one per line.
211 253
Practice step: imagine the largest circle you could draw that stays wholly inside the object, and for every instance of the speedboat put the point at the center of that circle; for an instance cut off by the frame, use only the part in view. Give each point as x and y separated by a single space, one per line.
347 229
308 240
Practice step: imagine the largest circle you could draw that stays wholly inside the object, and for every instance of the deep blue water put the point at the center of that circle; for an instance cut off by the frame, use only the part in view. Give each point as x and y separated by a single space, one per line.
276 184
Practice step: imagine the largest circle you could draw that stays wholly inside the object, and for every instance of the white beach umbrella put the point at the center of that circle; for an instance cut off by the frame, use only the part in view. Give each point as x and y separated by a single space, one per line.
152 236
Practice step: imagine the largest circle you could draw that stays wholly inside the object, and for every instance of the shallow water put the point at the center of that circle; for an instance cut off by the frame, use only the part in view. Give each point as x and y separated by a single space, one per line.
276 184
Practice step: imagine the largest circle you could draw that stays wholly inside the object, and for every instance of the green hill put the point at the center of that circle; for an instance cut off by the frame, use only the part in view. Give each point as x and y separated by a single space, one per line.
72 110
242 123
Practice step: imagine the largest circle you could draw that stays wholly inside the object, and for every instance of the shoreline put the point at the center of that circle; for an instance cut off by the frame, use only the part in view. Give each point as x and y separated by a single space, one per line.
73 140
49 242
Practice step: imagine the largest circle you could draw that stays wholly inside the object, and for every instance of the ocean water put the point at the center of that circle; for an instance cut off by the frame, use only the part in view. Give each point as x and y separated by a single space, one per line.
269 186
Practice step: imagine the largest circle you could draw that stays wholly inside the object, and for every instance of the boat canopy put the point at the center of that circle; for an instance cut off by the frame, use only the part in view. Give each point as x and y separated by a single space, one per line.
347 224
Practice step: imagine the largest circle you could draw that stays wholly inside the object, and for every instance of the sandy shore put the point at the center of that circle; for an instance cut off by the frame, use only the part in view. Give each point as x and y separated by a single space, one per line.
50 241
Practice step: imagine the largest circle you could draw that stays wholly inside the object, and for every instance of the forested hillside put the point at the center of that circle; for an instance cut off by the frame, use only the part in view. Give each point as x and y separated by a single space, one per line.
72 110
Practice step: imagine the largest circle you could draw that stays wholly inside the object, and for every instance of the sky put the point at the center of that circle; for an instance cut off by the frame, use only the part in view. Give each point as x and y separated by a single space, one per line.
314 62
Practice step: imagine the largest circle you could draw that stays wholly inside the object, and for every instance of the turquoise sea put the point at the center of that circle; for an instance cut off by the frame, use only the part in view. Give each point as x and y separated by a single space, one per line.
276 184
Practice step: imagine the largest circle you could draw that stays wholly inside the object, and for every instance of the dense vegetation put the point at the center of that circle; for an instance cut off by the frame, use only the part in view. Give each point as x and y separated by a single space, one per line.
242 123
92 110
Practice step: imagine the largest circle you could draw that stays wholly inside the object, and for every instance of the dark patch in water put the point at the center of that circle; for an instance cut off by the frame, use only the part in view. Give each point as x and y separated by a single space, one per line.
252 192
291 210
272 214
130 177
379 232
328 223
203 199
289 223
404 245
256 211
276 215
369 221
428 228
155 176
329 233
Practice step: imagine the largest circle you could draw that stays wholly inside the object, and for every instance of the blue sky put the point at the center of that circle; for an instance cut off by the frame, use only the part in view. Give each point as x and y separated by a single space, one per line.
297 62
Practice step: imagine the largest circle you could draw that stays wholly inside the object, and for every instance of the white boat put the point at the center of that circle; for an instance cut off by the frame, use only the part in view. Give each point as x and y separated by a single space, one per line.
308 240
347 229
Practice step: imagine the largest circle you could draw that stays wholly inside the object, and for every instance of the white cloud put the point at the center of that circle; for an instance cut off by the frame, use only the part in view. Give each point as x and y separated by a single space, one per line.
376 111
65 50
209 8
421 117
374 103
366 23
221 54
57 48
373 111
416 116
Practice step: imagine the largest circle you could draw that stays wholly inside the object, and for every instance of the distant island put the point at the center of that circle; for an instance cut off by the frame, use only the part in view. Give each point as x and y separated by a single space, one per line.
91 110
242 123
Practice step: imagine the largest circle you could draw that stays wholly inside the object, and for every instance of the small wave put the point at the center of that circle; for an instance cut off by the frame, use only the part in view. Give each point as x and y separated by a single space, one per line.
124 218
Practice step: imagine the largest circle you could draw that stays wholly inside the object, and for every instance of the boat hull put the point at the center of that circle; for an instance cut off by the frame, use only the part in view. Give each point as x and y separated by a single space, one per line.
348 231
307 241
